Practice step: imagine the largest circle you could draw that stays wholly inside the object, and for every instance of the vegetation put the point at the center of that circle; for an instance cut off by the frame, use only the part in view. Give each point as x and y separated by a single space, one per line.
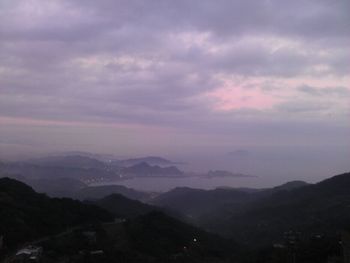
26 215
123 207
295 222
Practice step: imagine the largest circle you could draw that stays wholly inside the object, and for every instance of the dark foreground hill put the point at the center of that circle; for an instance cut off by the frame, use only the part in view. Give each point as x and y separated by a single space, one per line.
81 232
56 187
195 203
150 238
320 209
201 205
263 217
160 236
123 207
26 215
98 192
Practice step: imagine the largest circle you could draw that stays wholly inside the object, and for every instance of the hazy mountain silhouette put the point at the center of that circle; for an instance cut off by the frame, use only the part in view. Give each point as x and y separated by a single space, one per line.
198 203
72 161
36 171
124 207
144 169
317 208
56 187
195 203
151 160
98 192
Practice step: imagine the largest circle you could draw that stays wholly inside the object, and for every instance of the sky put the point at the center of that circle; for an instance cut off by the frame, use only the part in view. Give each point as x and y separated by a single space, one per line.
175 78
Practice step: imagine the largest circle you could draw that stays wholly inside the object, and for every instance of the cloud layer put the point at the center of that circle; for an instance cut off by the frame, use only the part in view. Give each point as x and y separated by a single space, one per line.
248 68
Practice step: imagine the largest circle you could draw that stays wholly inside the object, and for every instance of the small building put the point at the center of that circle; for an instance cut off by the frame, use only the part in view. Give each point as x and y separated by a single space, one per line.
28 254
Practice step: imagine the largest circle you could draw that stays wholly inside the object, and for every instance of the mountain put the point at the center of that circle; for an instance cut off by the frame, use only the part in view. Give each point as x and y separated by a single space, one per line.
289 186
56 187
195 203
36 171
98 192
70 161
71 231
318 208
207 205
26 215
144 169
169 240
263 192
97 156
85 169
294 220
150 238
124 207
265 217
151 160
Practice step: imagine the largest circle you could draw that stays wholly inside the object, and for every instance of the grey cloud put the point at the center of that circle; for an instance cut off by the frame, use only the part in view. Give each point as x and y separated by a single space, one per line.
259 61
327 91
42 81
224 18
303 106
305 18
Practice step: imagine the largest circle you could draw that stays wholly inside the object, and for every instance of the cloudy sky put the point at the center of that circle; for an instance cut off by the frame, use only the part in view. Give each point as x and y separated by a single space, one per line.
164 77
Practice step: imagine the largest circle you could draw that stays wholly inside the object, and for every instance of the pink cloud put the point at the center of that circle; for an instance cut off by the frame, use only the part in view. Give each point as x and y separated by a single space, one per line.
236 97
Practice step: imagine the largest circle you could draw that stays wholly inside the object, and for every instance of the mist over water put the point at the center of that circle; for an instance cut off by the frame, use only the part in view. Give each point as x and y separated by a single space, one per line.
270 165
266 166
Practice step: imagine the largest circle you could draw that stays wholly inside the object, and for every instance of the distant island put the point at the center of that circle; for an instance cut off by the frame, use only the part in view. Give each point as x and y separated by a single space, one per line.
151 160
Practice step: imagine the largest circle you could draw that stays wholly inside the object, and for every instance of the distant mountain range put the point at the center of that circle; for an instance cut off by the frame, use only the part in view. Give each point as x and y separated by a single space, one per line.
98 192
32 171
198 203
86 169
262 216
69 161
108 158
259 216
195 203
315 208
151 160
144 169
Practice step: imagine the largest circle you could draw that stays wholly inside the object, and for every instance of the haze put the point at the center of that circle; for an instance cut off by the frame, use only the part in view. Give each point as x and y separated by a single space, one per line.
194 81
